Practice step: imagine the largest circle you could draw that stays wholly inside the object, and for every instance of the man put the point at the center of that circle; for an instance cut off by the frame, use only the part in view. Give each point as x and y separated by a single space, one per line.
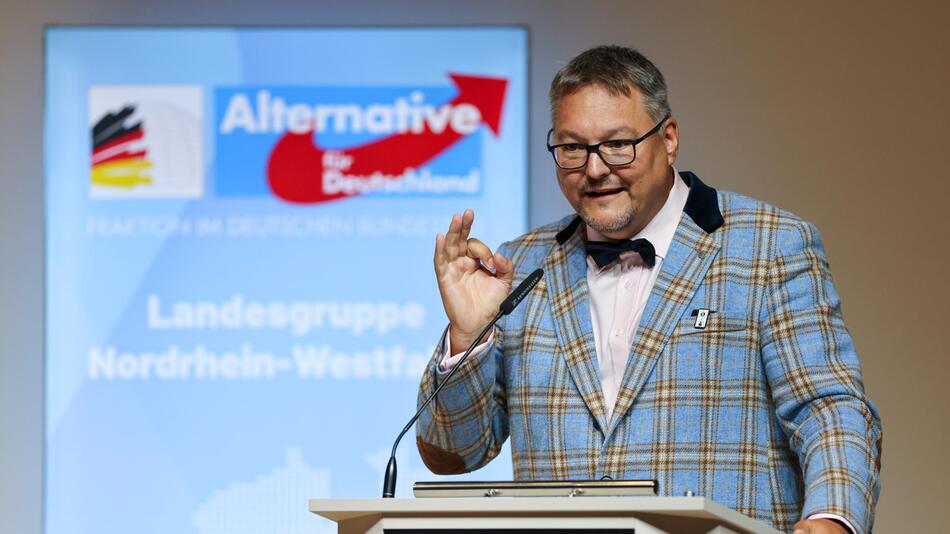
679 333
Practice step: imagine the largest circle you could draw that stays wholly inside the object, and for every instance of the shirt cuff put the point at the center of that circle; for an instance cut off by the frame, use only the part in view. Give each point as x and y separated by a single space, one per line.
446 363
837 518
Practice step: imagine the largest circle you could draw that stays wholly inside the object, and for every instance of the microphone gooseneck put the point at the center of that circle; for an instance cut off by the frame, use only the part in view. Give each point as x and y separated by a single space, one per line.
506 307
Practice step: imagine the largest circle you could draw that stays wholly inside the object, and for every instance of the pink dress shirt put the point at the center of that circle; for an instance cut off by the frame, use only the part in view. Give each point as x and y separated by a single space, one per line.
619 292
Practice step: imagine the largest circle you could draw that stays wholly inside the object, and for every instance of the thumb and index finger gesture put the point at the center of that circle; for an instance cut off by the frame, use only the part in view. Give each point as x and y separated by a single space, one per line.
471 293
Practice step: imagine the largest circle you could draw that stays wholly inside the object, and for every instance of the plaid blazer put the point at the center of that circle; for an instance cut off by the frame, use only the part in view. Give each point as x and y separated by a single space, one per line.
763 410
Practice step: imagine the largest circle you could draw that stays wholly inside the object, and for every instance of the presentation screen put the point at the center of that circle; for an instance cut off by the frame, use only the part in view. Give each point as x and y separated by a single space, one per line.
240 299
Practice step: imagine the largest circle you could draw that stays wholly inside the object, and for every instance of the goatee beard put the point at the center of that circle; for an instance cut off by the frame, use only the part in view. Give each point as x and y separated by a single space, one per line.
615 224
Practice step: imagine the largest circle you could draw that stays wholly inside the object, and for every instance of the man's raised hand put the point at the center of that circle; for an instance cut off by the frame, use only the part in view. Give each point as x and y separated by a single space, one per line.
471 293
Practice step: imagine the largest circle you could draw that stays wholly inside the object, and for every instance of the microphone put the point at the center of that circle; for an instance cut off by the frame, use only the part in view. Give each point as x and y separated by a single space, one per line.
507 306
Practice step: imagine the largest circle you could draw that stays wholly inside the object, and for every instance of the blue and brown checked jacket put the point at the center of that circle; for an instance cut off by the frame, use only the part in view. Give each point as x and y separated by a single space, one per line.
763 410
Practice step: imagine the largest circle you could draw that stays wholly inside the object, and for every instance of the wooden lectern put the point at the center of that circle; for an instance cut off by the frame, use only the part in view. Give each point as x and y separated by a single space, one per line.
535 515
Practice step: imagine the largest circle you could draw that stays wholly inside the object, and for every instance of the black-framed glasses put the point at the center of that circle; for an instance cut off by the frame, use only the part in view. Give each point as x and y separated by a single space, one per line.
613 152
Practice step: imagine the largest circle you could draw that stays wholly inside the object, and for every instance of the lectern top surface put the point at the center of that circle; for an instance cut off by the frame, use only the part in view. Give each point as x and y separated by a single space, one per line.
700 507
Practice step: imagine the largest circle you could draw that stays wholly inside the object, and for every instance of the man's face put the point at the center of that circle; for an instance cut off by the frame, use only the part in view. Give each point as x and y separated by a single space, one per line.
619 201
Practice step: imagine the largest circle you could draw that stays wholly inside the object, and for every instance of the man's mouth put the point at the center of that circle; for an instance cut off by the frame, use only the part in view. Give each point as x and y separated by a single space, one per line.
600 193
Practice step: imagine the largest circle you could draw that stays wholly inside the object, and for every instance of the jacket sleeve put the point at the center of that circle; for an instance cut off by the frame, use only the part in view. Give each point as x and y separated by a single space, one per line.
816 383
465 426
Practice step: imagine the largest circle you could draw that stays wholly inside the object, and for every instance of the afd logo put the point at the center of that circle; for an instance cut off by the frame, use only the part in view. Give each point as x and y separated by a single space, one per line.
319 144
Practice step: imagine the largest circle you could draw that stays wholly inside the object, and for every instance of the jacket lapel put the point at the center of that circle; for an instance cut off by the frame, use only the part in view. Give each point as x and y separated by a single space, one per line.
565 274
694 247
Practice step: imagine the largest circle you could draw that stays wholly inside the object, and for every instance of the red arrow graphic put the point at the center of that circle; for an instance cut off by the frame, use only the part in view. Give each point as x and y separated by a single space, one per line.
296 165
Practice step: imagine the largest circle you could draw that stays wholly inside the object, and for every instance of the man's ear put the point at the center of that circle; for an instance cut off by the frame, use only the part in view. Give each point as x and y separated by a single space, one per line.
671 139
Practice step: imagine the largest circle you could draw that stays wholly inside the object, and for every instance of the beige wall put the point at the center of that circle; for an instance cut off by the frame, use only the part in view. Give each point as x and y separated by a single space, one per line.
837 112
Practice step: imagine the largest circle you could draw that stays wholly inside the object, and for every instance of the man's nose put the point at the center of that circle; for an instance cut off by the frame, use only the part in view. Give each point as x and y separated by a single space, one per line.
596 168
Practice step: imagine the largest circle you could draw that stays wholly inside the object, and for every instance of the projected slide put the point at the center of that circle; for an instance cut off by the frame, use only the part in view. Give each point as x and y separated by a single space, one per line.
240 226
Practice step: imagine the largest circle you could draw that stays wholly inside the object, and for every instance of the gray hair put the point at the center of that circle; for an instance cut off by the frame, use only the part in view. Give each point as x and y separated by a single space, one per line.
614 68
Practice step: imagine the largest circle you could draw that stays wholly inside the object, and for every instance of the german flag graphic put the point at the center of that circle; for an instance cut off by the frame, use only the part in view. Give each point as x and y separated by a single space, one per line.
118 151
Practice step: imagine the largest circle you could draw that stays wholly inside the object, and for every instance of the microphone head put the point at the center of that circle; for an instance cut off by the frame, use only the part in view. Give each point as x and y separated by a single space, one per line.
520 292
